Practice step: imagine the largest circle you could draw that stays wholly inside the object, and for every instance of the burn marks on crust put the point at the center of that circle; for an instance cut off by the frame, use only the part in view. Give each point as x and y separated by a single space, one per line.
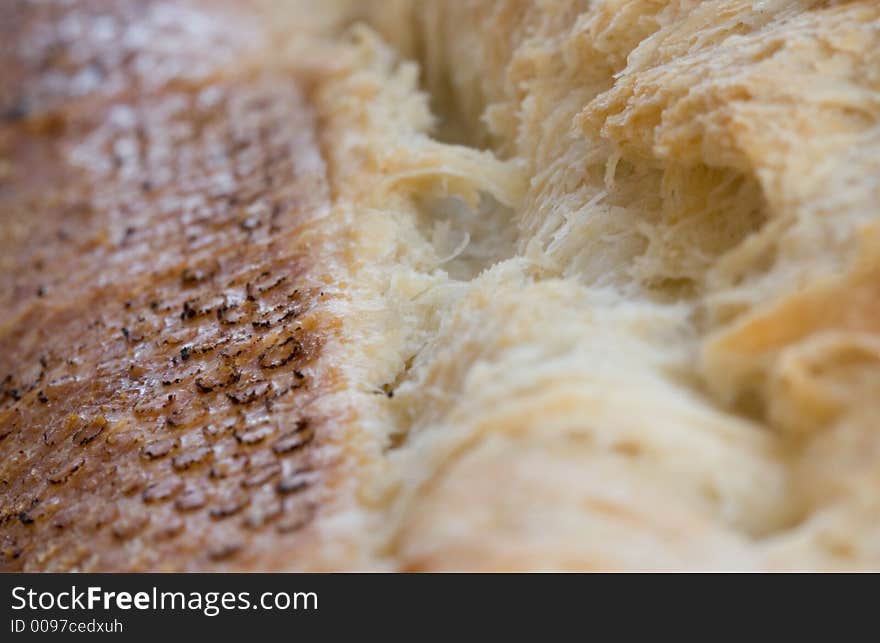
160 403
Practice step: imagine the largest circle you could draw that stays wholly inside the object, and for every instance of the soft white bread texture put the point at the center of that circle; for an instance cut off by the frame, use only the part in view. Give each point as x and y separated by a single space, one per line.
639 328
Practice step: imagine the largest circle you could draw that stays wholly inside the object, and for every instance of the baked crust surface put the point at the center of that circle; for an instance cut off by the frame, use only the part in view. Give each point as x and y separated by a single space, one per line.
165 311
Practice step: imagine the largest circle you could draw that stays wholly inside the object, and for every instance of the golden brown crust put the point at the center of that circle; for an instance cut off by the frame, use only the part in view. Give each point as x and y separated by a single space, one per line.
56 51
165 320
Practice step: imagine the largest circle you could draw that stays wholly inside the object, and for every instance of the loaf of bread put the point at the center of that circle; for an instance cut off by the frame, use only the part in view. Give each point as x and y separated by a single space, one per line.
439 285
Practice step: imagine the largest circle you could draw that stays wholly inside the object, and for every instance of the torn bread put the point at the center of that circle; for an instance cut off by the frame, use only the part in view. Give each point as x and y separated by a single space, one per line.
440 285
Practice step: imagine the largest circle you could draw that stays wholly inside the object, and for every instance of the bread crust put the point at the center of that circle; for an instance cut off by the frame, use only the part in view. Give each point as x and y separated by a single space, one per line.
169 326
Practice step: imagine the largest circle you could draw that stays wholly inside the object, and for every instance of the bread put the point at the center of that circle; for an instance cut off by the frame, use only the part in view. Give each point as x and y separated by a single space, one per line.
567 286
